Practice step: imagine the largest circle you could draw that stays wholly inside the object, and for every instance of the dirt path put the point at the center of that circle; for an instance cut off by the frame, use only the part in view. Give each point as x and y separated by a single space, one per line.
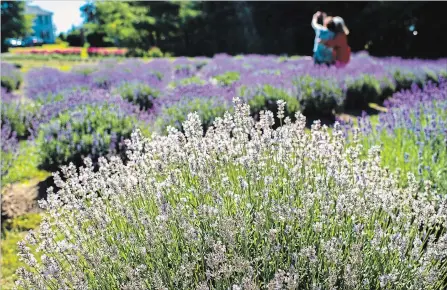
21 198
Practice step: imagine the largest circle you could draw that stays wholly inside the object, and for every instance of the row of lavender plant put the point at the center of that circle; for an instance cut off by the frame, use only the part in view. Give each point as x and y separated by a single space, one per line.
83 124
244 207
413 133
167 90
12 122
9 147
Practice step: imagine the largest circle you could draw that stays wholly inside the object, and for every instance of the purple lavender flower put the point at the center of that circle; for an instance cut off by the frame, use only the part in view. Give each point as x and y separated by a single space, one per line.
46 83
208 100
9 147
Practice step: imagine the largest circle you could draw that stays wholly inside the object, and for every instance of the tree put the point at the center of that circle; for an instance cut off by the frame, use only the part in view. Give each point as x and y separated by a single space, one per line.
62 36
118 22
193 28
14 21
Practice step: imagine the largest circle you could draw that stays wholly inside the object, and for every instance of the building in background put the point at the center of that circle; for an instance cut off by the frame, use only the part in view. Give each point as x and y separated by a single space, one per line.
42 24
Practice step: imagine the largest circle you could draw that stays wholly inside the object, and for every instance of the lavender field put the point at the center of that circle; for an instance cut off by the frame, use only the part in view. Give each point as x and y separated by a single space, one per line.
246 172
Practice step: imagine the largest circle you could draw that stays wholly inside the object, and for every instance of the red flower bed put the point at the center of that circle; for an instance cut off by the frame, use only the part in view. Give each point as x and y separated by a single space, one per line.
101 51
64 51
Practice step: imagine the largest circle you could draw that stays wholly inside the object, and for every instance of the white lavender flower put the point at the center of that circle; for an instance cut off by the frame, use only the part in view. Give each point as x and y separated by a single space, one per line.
244 206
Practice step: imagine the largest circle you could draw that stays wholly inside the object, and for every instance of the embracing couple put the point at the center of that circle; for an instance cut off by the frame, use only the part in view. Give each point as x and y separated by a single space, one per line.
331 41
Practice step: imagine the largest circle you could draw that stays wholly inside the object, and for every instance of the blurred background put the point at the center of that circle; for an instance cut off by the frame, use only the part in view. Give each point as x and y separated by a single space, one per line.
193 28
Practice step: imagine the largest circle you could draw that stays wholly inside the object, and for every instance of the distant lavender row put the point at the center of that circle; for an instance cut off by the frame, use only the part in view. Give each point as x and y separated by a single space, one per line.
371 78
161 93
110 73
73 100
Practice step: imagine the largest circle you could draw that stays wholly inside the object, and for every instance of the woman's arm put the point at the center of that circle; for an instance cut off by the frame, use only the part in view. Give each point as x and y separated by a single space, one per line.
314 22
333 42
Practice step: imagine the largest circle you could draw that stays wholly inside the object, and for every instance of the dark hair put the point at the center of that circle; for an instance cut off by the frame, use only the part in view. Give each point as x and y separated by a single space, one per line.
335 27
331 26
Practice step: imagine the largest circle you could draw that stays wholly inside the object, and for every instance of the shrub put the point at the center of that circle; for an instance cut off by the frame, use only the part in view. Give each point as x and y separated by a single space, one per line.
200 62
136 52
244 207
111 74
137 93
154 52
187 81
98 39
208 101
88 131
388 88
227 78
9 147
174 115
318 96
19 114
84 69
184 68
10 77
362 90
25 165
412 134
431 75
74 38
265 97
44 85
404 79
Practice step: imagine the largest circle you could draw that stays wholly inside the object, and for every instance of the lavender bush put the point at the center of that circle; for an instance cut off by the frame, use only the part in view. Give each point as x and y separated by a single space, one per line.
9 147
408 72
18 113
364 89
85 124
413 133
110 75
228 78
95 97
243 207
262 91
46 85
318 96
11 77
187 81
87 131
137 93
207 100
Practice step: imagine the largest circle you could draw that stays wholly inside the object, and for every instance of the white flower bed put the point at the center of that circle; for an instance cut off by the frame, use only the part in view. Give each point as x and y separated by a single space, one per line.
244 207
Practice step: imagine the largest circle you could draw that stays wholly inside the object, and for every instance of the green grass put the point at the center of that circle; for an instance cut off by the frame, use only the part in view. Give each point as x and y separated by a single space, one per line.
25 222
25 167
9 260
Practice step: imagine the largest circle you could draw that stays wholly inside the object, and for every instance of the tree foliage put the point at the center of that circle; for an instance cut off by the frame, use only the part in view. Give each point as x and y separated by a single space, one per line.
210 27
14 21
